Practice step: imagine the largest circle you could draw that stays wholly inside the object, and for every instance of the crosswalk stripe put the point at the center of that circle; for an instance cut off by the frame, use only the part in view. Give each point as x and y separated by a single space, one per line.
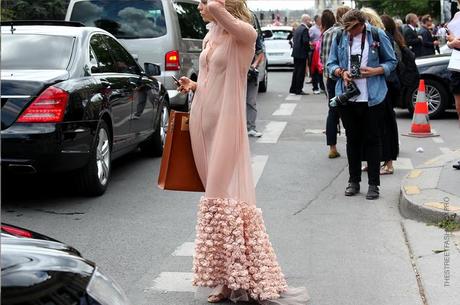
186 249
272 132
445 150
285 109
403 164
293 98
258 165
174 281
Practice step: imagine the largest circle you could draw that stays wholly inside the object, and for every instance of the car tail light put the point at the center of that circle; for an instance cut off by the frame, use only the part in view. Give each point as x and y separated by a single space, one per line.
48 107
172 61
16 231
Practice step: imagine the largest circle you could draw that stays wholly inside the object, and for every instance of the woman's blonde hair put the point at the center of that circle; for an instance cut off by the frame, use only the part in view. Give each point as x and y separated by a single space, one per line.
373 18
239 9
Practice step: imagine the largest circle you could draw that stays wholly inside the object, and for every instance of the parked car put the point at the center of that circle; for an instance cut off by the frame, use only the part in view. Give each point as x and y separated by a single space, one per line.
37 269
278 45
433 69
76 102
164 32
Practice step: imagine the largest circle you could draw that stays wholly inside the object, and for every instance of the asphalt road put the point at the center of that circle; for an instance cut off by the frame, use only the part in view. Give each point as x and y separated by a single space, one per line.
344 250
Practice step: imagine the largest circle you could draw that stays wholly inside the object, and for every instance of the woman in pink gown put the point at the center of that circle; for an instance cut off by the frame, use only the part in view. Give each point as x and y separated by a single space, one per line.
233 253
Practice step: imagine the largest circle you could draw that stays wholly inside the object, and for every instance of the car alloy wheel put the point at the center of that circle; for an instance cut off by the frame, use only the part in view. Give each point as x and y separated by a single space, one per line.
164 124
103 157
433 97
436 96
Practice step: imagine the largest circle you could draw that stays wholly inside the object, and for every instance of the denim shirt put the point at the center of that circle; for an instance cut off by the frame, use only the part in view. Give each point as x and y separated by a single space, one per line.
379 56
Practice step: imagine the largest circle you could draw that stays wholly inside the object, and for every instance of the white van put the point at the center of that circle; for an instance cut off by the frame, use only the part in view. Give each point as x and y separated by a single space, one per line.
166 32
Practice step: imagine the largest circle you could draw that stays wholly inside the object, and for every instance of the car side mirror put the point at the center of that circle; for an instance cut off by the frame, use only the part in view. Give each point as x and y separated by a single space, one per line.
152 69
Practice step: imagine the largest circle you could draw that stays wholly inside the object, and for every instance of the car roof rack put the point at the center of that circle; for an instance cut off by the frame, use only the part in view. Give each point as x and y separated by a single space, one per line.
43 22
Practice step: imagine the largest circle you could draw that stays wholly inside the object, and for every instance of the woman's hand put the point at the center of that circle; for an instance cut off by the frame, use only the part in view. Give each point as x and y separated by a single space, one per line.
369 72
454 43
346 76
186 85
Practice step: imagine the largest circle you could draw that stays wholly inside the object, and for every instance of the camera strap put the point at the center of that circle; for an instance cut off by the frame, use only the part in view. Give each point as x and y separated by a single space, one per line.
363 43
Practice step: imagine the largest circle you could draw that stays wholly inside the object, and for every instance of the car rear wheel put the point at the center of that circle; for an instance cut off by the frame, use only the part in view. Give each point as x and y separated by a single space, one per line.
153 146
264 84
95 176
436 96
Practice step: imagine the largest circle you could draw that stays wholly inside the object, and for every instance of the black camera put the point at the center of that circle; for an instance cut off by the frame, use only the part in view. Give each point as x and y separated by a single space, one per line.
351 91
355 66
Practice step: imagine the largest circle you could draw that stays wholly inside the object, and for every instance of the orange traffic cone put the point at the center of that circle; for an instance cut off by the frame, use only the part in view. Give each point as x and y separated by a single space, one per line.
421 127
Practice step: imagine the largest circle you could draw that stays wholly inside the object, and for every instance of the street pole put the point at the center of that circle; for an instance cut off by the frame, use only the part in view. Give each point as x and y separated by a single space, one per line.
443 17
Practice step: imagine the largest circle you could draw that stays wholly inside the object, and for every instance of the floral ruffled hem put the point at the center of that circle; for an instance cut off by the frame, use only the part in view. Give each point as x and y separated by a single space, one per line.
232 248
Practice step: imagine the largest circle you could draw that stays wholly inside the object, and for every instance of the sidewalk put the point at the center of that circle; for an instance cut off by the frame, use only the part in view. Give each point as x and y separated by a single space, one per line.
431 194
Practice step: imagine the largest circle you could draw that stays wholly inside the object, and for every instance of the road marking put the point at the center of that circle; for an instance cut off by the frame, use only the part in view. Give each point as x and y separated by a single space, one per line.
285 109
411 189
186 249
445 150
443 206
293 98
414 174
438 140
403 164
174 281
272 132
258 165
321 132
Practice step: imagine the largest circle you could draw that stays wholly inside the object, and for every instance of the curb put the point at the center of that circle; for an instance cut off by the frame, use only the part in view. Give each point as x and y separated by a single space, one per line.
421 197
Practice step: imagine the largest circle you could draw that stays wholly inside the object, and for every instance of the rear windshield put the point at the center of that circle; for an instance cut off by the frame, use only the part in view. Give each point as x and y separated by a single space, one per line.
280 34
124 19
36 52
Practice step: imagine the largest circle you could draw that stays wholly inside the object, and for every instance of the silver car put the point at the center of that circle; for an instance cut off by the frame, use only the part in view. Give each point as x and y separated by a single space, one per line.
165 32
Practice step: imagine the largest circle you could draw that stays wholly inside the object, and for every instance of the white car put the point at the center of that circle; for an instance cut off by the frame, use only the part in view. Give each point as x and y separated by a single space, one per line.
277 45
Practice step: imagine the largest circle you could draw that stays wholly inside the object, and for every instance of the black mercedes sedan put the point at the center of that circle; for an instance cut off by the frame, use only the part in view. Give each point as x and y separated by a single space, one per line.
73 99
433 69
37 269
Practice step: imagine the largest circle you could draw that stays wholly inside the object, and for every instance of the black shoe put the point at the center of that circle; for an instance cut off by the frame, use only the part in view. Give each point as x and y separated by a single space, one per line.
373 192
352 189
303 93
456 166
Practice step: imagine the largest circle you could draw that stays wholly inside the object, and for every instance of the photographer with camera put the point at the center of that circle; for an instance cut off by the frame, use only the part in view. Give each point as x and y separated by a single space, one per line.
253 88
360 58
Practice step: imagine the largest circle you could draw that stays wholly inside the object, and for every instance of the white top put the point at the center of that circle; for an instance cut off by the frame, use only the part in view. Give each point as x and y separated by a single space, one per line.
360 82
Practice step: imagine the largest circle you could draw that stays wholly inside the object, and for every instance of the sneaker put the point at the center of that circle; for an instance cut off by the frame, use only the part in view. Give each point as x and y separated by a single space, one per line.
254 133
316 92
302 93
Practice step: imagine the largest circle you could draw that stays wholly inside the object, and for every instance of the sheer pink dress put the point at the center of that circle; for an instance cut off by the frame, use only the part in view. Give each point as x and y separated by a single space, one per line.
232 245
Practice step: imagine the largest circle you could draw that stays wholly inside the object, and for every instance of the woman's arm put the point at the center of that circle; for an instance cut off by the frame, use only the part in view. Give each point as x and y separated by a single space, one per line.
242 31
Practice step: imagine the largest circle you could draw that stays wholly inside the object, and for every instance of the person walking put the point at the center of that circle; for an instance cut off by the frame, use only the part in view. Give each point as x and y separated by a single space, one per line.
429 44
253 88
333 119
353 61
390 135
315 73
300 50
453 42
233 255
413 40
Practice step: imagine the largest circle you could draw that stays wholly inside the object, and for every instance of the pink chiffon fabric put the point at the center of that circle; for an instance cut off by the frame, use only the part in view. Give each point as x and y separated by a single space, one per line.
232 245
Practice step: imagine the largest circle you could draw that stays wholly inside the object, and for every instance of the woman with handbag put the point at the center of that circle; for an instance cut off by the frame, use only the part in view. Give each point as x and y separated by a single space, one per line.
233 254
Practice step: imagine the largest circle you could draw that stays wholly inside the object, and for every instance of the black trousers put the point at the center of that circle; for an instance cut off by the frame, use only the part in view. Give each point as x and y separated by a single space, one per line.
333 117
317 81
363 130
298 76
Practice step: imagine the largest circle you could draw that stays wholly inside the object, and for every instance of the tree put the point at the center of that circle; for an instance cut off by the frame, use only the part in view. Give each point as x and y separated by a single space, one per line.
33 10
402 7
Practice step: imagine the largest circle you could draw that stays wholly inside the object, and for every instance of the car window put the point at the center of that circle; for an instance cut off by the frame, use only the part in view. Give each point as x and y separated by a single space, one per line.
50 52
105 62
190 21
280 34
124 62
124 19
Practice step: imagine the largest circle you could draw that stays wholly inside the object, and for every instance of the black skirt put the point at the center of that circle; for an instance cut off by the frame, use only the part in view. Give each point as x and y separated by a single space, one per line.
455 82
